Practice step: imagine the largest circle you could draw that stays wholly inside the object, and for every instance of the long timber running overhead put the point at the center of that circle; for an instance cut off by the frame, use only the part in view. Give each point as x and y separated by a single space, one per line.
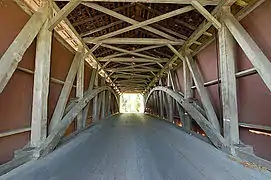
202 66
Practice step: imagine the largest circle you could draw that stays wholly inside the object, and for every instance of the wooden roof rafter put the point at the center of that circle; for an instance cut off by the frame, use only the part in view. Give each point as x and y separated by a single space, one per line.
132 21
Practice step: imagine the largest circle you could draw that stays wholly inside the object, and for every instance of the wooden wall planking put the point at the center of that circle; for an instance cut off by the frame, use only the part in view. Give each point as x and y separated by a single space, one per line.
254 98
16 99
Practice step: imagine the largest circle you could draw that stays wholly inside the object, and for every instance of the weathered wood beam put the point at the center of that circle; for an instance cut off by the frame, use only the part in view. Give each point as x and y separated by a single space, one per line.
188 93
143 41
196 34
132 59
103 103
255 126
253 4
65 92
198 80
53 80
163 70
129 52
170 31
161 106
14 131
132 70
41 85
132 86
175 20
202 28
228 85
144 23
125 76
206 126
94 48
240 74
181 111
169 100
101 28
127 19
63 13
206 14
109 103
80 93
205 2
132 81
78 41
132 66
95 109
13 55
250 48
135 51
54 138
200 87
102 15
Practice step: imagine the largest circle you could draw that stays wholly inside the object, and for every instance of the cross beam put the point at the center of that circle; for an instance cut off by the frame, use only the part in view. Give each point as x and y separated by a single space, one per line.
143 41
127 19
129 52
205 2
144 23
135 51
132 59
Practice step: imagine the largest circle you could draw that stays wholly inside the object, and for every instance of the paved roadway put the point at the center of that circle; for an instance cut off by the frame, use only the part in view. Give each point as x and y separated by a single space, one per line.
135 147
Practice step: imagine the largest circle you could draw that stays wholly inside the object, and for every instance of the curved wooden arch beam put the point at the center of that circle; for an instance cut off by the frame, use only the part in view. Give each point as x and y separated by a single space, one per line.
214 135
54 138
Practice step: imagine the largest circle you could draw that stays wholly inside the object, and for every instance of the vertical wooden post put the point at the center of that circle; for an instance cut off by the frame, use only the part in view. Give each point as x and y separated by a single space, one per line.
103 103
13 55
106 103
90 87
95 105
109 104
161 101
66 89
41 84
210 112
169 99
165 103
99 109
250 48
203 93
228 85
180 109
153 103
80 93
188 93
157 103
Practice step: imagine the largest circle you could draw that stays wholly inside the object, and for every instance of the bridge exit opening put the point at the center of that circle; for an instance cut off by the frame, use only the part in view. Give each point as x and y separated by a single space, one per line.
131 103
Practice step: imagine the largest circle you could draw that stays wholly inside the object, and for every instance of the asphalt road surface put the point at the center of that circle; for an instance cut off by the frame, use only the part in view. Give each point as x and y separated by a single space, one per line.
135 147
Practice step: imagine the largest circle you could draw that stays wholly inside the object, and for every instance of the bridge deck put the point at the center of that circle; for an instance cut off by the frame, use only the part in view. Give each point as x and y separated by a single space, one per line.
135 147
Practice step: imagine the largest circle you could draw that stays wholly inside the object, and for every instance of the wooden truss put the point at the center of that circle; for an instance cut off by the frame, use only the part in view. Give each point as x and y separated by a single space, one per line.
133 51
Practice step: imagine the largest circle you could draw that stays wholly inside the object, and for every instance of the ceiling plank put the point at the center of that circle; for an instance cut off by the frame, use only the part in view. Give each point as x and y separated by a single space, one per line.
127 19
101 28
140 24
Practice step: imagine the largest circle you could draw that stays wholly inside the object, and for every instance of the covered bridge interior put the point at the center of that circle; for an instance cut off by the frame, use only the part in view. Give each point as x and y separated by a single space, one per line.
202 66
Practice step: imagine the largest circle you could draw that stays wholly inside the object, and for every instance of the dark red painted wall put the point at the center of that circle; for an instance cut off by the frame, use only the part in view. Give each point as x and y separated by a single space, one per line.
16 99
254 98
